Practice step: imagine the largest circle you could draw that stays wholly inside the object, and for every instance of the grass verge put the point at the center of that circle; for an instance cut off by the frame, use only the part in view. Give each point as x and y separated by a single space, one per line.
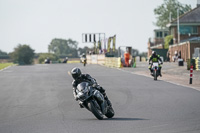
4 65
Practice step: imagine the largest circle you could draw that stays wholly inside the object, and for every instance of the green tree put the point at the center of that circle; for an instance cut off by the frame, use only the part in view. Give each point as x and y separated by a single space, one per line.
143 54
163 11
168 41
85 50
3 53
62 47
23 55
135 52
43 56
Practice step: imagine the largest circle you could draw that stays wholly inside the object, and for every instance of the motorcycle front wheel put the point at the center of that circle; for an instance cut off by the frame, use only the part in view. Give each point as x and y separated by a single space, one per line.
110 113
96 110
155 75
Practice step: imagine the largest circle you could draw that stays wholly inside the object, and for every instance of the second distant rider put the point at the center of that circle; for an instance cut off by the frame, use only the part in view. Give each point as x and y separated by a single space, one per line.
155 58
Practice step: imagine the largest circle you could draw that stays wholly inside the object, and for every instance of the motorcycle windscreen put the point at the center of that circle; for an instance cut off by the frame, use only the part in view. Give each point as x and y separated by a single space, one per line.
155 64
83 86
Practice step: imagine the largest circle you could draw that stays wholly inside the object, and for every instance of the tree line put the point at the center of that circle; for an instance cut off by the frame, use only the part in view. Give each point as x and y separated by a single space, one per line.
58 48
23 54
167 12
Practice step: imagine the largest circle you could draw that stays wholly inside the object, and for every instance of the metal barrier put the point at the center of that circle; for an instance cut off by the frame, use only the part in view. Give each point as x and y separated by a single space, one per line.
113 62
197 63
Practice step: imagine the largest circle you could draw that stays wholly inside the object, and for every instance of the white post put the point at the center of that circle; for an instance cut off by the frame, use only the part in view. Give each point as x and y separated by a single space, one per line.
170 16
178 30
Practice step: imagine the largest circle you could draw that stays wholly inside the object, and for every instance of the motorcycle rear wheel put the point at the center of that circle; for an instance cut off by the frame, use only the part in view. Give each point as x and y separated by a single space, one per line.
96 111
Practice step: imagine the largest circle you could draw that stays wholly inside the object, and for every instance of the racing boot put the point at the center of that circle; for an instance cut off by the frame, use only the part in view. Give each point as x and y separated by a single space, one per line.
106 98
102 90
81 105
151 71
108 101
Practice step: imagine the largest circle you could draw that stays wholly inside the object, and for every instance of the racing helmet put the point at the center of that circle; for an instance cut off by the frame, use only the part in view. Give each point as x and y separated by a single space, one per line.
75 72
153 52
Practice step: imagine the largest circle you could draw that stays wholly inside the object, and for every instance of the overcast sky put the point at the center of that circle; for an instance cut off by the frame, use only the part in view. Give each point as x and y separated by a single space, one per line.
37 22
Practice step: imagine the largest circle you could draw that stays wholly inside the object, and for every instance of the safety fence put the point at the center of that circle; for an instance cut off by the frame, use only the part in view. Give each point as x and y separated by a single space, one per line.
197 63
96 59
101 59
113 62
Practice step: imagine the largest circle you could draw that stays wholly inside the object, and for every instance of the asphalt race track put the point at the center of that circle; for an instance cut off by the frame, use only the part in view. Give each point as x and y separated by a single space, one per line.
38 99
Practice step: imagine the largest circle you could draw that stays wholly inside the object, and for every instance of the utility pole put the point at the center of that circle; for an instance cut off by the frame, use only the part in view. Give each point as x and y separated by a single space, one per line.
170 16
178 29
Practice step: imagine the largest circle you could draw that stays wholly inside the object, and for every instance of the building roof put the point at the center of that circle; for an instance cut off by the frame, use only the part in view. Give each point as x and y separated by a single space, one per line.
190 17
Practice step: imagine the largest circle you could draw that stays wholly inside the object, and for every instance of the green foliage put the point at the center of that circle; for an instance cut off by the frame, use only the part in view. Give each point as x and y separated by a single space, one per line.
135 52
3 53
163 11
85 50
43 56
143 54
168 41
23 55
63 47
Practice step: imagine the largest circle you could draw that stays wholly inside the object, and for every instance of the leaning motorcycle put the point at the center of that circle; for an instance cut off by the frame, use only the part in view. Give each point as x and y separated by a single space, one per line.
94 101
84 61
155 70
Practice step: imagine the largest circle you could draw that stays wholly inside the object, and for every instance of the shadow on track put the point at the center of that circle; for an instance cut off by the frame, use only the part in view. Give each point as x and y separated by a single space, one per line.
118 119
124 119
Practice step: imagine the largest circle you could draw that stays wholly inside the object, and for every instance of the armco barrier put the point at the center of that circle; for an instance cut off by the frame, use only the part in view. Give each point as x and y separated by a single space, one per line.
113 62
197 63
101 59
95 59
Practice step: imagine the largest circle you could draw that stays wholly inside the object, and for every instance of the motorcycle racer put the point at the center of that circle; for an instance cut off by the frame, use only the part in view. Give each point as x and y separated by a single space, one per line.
155 58
79 77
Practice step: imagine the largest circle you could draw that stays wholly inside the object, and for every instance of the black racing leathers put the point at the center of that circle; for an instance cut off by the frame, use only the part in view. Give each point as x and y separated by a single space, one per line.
90 80
155 58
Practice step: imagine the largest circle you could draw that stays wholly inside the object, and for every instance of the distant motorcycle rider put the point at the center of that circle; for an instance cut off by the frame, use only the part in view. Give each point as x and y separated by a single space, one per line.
155 58
79 77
